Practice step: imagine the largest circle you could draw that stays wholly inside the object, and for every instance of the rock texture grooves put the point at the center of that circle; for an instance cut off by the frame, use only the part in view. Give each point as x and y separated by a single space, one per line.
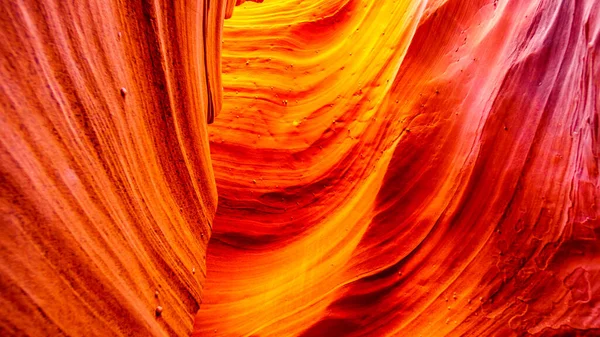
106 187
407 168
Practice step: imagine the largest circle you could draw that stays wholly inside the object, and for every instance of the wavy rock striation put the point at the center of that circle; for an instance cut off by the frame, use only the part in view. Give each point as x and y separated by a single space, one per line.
107 192
411 168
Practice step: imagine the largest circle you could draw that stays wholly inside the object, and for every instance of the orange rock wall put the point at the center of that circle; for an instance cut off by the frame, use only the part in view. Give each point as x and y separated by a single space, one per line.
106 194
383 168
407 168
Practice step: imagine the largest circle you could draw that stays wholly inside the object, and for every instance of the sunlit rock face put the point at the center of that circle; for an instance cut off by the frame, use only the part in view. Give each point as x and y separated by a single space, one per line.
407 168
383 168
106 189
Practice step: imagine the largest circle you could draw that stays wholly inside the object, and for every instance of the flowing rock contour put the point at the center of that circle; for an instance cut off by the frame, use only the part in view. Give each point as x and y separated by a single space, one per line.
407 168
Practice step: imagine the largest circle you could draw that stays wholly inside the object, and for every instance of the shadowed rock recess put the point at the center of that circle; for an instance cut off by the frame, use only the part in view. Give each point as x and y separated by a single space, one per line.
383 168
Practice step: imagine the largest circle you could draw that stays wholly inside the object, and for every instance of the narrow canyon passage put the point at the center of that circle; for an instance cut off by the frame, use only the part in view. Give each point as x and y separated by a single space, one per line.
406 168
375 168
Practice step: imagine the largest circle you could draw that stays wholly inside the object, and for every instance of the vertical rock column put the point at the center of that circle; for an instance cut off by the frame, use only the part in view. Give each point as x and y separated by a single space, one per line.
106 188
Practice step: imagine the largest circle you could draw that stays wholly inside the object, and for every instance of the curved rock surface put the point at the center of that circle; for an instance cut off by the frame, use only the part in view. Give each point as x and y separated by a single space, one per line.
107 193
407 168
384 168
